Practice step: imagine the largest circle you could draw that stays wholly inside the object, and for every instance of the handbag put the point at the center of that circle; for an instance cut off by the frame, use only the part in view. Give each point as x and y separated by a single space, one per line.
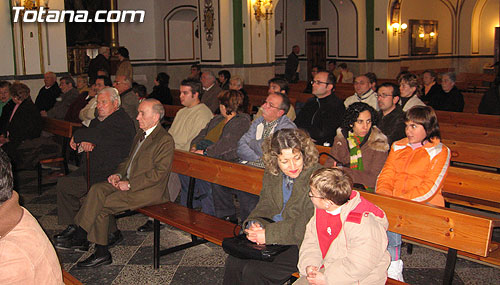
241 247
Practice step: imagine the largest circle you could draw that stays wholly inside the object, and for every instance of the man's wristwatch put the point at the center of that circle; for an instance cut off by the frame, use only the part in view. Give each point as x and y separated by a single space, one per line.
128 185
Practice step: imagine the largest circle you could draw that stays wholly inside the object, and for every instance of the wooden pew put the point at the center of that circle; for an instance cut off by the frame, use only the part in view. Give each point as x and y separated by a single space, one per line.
63 129
469 187
69 279
473 134
171 110
472 188
474 82
458 232
469 119
474 153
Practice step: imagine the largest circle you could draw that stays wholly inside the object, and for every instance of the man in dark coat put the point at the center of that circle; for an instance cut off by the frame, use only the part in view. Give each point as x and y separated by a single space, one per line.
101 61
47 95
391 118
108 139
292 63
323 114
68 95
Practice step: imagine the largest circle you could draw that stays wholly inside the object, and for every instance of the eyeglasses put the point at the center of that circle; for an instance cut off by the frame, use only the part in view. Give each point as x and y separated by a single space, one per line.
383 96
318 82
311 195
270 105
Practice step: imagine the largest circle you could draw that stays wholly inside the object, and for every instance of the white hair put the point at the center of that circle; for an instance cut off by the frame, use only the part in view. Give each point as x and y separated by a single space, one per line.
113 93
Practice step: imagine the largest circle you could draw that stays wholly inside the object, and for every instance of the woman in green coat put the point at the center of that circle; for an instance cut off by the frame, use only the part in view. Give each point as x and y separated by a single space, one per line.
290 157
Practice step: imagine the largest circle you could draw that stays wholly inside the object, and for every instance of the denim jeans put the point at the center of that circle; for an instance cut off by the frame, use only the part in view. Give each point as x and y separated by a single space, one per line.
394 246
202 194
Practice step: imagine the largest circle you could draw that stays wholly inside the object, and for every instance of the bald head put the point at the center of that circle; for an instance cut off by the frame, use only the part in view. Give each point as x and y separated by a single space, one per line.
150 112
49 78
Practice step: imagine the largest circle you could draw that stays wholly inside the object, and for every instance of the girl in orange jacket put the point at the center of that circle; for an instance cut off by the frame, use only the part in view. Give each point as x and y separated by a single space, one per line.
415 169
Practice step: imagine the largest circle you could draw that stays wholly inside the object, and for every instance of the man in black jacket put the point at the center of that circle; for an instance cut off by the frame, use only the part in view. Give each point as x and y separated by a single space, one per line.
391 116
108 139
48 94
323 114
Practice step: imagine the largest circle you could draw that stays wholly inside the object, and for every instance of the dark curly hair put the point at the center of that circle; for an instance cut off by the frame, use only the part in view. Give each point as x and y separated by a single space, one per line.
352 113
297 140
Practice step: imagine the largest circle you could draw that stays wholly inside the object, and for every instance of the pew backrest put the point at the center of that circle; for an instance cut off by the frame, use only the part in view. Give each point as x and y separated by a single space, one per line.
59 127
455 229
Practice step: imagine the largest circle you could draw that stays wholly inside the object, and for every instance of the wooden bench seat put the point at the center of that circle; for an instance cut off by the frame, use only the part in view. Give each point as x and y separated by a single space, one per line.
63 129
456 231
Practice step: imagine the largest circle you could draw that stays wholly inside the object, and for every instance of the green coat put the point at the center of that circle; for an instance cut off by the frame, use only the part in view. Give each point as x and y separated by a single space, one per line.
298 211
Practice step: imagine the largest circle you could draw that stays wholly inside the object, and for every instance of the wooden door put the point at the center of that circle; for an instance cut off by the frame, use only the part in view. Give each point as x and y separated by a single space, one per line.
316 50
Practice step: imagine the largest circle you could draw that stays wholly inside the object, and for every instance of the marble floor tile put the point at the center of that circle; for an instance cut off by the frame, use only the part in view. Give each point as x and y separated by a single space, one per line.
40 209
122 254
50 223
132 238
427 276
205 255
423 258
144 256
45 199
187 275
483 275
145 274
102 275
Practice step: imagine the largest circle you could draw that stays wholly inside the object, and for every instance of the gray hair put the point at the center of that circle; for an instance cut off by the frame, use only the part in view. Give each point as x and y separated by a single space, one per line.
113 93
6 179
450 75
157 107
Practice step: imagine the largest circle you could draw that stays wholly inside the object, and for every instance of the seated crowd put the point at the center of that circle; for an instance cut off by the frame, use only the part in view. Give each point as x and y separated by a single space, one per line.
383 139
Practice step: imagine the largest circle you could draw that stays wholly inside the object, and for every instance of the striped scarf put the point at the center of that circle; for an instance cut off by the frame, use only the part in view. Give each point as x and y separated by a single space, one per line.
355 151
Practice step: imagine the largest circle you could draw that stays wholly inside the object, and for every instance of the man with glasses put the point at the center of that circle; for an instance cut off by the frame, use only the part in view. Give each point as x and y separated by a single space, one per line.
322 115
363 92
278 85
391 116
273 119
130 103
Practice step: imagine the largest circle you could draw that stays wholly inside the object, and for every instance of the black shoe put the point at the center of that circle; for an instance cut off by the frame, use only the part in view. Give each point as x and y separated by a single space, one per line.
115 238
67 234
95 261
148 227
78 245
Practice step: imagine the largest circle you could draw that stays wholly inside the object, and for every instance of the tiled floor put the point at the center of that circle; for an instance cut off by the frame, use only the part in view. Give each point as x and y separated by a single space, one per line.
203 264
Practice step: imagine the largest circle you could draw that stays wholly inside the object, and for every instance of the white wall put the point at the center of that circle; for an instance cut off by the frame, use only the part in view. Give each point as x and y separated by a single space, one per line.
6 45
50 36
489 20
428 10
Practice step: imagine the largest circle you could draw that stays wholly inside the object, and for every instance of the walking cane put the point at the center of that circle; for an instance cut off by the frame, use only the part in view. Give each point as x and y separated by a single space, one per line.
87 153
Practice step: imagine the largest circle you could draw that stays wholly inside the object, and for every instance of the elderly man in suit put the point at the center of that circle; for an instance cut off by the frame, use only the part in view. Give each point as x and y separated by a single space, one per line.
108 140
139 181
210 91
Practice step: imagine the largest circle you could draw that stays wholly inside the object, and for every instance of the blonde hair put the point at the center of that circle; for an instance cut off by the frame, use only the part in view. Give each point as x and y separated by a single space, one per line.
297 140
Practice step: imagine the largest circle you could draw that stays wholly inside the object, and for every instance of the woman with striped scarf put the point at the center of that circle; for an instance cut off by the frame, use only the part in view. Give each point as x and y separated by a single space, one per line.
360 147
